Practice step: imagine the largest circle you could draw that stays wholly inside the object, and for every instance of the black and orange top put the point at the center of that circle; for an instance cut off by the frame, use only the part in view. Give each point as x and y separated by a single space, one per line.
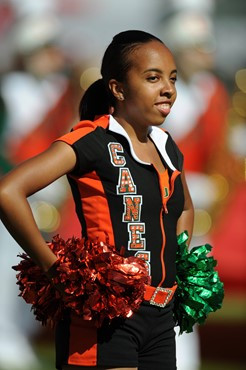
125 199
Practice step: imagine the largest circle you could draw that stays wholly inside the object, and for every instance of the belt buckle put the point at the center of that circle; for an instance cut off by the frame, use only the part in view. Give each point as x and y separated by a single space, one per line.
160 289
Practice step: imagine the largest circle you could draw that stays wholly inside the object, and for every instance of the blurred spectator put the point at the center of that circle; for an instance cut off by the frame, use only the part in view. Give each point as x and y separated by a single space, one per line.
198 118
37 106
15 350
198 124
209 127
39 93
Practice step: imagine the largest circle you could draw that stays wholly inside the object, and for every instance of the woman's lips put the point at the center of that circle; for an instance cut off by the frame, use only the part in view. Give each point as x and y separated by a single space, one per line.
163 108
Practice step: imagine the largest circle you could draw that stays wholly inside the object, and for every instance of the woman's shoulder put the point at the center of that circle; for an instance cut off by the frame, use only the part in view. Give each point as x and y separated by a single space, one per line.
83 128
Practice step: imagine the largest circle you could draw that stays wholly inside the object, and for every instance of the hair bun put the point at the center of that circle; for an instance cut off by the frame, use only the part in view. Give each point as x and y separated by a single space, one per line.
96 92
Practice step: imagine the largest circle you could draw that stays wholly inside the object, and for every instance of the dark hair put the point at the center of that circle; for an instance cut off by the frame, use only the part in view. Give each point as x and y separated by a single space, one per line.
115 64
95 101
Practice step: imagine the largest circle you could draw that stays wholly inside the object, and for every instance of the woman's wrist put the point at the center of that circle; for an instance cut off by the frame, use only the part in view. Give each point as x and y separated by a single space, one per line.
52 271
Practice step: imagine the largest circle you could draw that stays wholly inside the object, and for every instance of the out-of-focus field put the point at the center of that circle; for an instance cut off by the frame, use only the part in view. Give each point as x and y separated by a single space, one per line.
223 337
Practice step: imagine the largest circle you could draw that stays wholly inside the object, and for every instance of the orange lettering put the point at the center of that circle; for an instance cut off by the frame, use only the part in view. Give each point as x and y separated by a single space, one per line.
114 149
125 184
132 208
135 240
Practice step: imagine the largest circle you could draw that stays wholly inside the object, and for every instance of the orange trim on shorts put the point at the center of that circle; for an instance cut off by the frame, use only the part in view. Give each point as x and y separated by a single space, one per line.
82 342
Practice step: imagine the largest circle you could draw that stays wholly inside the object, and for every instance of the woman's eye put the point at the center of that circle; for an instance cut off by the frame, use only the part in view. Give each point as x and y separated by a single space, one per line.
173 79
153 78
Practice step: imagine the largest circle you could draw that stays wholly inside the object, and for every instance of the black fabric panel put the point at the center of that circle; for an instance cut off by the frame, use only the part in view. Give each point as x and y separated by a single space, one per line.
62 337
78 205
146 180
89 150
174 153
175 207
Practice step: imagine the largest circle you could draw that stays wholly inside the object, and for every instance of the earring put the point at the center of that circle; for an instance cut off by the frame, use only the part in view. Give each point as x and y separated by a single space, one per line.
121 97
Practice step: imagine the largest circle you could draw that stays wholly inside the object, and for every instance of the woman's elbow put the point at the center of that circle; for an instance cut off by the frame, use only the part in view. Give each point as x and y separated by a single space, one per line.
8 194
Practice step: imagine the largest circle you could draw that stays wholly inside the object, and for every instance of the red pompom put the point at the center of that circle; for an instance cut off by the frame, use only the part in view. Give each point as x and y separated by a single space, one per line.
93 280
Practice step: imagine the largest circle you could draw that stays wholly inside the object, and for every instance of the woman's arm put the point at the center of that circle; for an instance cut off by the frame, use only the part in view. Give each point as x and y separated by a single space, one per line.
26 179
186 220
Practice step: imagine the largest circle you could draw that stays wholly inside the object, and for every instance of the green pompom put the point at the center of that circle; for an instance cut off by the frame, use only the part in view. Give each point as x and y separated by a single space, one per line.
200 290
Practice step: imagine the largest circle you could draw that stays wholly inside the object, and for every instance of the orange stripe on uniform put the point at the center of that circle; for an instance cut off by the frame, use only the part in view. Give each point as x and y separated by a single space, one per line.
83 128
162 248
164 183
82 343
95 208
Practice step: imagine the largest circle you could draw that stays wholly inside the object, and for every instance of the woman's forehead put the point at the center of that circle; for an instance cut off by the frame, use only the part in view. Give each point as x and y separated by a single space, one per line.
152 55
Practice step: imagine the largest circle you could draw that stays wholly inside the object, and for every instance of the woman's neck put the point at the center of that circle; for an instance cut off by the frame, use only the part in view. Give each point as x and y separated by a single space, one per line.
134 131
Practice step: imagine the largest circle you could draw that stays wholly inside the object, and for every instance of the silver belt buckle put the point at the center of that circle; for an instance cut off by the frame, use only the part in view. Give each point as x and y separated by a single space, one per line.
160 289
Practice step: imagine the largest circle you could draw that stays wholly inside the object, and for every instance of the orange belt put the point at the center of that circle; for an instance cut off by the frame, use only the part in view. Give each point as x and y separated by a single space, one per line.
159 296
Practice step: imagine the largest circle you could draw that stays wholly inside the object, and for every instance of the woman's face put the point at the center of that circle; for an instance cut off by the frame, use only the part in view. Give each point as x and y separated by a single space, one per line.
149 90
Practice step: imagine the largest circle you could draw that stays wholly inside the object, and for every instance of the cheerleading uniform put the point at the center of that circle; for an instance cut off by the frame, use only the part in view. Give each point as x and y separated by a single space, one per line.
126 202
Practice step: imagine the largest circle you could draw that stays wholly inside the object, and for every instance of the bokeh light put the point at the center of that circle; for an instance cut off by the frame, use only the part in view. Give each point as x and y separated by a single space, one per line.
203 222
240 79
221 186
239 103
233 117
46 216
89 76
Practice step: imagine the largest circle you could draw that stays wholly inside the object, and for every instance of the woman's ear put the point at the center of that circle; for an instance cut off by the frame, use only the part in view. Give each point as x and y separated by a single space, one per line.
116 89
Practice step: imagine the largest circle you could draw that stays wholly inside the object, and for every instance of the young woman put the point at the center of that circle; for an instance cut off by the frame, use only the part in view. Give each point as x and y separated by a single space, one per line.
128 183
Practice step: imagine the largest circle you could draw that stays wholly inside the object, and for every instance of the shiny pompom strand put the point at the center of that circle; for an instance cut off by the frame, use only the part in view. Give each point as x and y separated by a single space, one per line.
200 290
91 279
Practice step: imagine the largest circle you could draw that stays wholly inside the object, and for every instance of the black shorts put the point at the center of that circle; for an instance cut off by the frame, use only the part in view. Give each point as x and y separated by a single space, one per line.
146 341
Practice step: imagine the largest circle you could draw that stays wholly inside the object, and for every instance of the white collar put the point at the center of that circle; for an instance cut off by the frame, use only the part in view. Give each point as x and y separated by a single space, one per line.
158 136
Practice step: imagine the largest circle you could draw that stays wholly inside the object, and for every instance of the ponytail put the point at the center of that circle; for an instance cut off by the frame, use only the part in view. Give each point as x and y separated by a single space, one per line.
95 101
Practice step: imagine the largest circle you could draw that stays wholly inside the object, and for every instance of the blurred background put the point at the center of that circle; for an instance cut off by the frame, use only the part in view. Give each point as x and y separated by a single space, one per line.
51 52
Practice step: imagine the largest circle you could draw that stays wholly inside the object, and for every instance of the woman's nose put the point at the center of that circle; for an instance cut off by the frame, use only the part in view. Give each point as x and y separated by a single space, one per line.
168 89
